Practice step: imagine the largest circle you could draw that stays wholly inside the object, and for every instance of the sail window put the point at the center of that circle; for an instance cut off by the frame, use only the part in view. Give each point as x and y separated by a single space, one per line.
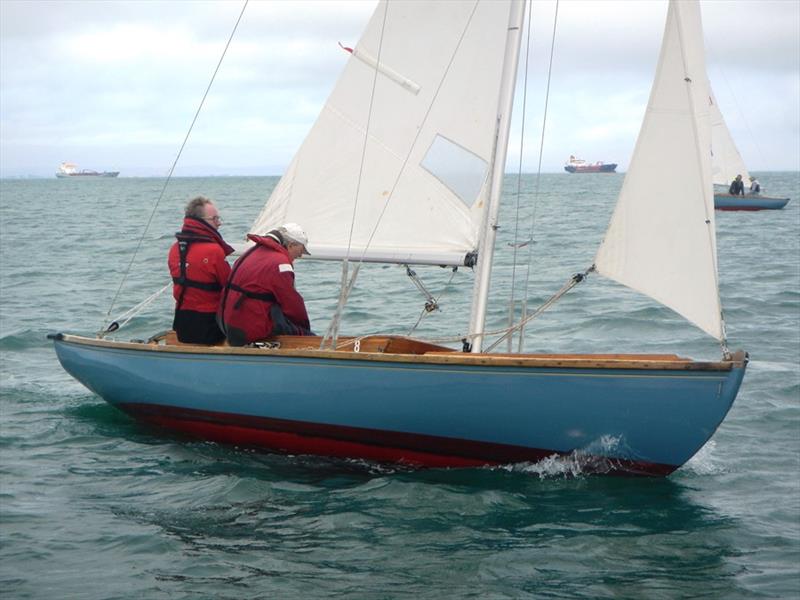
460 170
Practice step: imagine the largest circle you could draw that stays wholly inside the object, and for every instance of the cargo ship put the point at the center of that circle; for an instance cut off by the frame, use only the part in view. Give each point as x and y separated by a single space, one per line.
577 165
71 170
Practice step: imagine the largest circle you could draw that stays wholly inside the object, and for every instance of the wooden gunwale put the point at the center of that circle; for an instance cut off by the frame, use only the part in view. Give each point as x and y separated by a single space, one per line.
442 357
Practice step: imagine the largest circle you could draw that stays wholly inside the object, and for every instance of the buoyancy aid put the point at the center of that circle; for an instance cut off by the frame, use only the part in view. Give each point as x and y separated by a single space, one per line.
268 278
211 277
244 293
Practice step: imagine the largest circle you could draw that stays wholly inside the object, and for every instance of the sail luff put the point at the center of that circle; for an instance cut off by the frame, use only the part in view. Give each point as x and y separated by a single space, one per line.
704 151
661 239
498 162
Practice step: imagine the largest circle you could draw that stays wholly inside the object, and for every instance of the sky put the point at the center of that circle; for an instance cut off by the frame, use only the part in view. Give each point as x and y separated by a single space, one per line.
115 85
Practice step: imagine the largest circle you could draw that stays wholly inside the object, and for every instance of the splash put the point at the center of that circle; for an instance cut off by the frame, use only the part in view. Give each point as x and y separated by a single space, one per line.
590 460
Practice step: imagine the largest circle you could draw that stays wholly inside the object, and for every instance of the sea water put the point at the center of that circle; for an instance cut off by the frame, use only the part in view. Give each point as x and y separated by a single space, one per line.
93 505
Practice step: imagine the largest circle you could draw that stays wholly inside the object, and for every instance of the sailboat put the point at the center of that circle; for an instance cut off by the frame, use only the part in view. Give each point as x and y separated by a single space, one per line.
727 163
404 165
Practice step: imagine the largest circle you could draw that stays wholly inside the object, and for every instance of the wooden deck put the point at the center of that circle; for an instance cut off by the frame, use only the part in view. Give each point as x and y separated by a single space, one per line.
398 349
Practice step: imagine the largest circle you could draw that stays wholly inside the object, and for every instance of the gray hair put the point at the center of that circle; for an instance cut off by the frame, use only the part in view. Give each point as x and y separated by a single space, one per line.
196 208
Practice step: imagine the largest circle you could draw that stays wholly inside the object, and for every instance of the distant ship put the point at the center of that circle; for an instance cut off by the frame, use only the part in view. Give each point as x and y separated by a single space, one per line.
576 165
71 170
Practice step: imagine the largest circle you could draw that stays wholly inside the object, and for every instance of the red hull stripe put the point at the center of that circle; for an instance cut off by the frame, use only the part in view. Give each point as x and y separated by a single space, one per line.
299 437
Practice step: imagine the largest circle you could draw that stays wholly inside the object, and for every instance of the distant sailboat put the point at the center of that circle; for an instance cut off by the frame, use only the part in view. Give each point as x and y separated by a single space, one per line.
442 75
727 163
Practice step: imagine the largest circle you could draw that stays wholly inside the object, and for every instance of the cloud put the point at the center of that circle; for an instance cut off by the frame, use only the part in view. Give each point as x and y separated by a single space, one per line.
110 84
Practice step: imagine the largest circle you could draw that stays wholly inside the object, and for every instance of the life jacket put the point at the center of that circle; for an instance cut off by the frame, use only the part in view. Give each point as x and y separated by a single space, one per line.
245 293
260 295
195 231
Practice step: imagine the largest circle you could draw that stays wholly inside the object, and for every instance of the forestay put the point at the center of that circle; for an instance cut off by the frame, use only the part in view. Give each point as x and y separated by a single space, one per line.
423 81
726 162
661 238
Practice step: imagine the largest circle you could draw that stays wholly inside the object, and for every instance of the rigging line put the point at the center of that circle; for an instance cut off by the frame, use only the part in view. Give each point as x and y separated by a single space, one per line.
573 281
366 131
707 186
460 337
334 324
538 176
519 172
739 110
419 129
344 294
505 331
175 162
333 328
127 316
435 302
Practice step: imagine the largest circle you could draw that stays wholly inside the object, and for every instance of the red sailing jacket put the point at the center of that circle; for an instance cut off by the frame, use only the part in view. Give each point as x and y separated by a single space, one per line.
207 270
264 269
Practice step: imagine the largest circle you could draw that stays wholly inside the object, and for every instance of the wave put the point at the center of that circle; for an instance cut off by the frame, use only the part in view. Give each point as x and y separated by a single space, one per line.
24 339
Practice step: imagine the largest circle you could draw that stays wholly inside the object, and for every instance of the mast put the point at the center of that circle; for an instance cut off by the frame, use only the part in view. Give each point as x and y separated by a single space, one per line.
488 234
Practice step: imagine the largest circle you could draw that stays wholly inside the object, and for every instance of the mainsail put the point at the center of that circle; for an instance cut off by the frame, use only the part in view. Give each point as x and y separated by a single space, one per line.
422 87
726 162
668 190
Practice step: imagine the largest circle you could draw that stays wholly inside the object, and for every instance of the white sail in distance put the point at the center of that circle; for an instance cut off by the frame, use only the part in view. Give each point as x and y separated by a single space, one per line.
661 239
726 162
422 87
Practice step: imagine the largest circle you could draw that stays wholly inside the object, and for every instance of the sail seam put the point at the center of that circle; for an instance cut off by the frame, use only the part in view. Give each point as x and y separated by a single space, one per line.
339 114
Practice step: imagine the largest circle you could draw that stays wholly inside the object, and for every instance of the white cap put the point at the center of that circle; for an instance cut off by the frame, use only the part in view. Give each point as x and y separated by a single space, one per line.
295 233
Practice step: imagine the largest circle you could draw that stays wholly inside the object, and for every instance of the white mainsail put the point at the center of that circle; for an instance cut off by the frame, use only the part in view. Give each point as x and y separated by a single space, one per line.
661 238
726 162
423 82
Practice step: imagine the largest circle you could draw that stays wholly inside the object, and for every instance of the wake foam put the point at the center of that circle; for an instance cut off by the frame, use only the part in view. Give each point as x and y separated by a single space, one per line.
704 462
590 460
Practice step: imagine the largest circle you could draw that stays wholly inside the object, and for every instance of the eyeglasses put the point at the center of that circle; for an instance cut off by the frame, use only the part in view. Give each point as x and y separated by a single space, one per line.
215 219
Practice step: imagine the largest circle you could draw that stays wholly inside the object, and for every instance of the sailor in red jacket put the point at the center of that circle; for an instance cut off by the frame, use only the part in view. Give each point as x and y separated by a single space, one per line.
199 273
259 300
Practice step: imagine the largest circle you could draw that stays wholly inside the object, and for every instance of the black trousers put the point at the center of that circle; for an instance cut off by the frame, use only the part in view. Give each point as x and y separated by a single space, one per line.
195 327
283 326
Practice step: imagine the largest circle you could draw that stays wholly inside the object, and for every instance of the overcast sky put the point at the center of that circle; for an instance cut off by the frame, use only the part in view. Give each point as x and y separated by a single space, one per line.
115 85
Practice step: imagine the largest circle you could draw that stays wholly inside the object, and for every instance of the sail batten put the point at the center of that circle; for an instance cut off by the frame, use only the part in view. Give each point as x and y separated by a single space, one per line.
661 239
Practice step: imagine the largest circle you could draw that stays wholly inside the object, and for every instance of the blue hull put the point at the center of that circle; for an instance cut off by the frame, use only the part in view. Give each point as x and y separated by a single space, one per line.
442 411
748 202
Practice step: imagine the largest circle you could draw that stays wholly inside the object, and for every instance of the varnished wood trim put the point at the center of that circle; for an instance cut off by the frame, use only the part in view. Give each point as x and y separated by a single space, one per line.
574 361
